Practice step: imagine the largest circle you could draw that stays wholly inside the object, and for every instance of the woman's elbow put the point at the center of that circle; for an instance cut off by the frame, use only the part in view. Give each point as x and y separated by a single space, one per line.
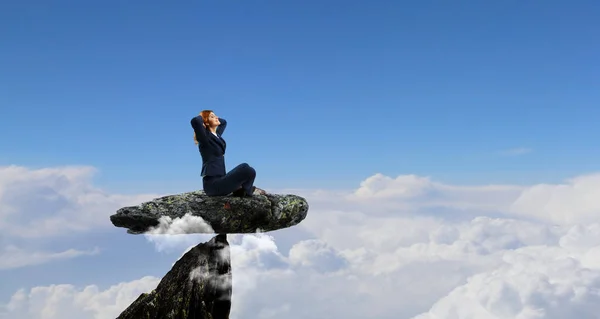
196 122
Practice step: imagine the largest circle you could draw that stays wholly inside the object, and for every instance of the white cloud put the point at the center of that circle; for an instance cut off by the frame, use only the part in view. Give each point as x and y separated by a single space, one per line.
410 194
569 203
41 203
38 205
404 186
188 224
575 201
14 257
488 251
316 254
70 302
533 282
66 301
177 242
411 246
172 234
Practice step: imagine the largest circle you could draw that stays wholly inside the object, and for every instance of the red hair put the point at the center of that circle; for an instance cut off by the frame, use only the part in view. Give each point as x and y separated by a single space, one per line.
205 114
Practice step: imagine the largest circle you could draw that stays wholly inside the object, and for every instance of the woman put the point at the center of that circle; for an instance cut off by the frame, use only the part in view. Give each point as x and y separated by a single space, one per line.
208 129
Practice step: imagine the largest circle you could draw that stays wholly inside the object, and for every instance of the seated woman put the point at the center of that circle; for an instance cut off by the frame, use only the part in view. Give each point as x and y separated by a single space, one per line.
208 131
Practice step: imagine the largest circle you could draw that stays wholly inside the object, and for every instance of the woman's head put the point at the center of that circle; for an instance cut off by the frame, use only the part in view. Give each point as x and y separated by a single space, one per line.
210 121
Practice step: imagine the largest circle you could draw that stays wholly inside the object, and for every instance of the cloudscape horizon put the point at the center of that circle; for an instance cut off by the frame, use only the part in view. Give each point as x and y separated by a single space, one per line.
447 152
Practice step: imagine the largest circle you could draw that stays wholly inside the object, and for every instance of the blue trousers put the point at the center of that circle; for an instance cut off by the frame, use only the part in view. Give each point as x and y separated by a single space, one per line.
242 175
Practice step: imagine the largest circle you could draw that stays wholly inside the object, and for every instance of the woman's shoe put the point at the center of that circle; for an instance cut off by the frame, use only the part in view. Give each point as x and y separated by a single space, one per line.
258 191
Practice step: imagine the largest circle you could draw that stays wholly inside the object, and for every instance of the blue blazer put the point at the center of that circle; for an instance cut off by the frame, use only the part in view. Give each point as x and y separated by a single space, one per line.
211 147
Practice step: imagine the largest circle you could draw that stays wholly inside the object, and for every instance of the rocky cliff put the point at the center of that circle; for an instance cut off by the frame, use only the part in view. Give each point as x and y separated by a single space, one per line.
198 286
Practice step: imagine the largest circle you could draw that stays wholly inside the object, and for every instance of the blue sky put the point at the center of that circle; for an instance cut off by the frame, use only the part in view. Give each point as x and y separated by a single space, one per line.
315 92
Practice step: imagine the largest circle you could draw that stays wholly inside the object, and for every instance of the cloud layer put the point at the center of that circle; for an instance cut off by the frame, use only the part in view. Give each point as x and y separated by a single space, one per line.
67 301
55 202
404 247
39 205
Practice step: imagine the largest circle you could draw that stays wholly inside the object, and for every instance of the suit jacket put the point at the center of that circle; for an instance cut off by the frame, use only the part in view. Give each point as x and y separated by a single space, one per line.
211 147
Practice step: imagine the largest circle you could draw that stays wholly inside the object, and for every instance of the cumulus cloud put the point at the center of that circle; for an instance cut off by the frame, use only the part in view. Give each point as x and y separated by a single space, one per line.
413 247
38 205
575 201
471 269
569 203
70 302
188 224
409 194
252 254
532 282
318 255
172 234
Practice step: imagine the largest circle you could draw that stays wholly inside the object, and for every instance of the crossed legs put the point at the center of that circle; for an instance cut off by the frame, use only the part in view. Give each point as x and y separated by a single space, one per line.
239 181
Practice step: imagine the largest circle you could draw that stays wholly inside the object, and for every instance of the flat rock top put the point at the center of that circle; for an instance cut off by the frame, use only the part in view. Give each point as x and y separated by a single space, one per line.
195 212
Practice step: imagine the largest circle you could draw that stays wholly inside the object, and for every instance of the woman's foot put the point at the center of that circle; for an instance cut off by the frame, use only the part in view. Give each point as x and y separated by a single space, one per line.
258 191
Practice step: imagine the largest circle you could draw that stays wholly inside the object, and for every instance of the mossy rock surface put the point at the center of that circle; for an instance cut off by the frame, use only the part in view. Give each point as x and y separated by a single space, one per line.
197 286
224 214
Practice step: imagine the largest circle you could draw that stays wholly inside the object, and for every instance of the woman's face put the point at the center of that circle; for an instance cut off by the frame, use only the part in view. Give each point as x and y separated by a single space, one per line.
213 120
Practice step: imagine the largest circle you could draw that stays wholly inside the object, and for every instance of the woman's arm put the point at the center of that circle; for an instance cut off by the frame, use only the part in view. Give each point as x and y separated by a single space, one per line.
198 126
221 128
